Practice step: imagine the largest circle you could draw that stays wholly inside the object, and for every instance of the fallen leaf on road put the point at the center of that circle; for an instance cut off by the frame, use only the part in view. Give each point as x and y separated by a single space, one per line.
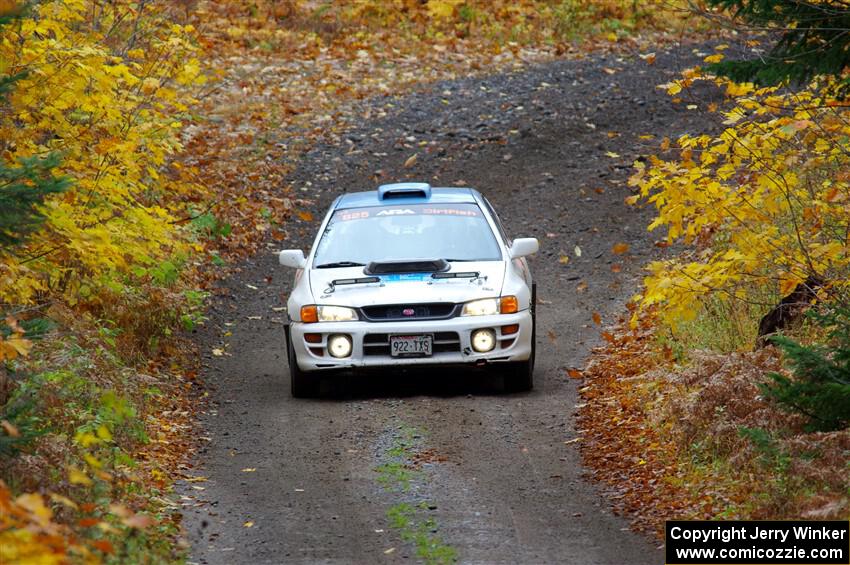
388 551
304 215
411 160
620 248
581 287
597 319
616 268
564 259
248 524
574 373
612 154
249 469
577 251
217 352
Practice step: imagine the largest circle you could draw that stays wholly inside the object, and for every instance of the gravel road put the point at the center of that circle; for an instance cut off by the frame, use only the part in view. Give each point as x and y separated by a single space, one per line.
496 477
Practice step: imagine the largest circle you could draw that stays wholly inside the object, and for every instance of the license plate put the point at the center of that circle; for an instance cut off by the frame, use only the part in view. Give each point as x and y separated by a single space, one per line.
410 345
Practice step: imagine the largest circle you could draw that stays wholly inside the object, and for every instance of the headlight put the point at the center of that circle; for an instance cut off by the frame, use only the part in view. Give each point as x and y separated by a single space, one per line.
485 307
336 314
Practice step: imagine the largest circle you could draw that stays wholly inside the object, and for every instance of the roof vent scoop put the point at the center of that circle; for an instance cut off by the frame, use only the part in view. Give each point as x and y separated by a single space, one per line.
404 190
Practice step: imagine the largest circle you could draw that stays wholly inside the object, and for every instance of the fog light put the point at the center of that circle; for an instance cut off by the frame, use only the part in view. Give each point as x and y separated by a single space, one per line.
483 340
339 345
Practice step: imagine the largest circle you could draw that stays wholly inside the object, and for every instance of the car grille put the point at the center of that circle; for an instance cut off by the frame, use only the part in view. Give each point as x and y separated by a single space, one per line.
379 344
410 312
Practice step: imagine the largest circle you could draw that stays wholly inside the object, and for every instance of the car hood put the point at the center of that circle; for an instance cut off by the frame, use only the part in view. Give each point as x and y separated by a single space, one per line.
413 288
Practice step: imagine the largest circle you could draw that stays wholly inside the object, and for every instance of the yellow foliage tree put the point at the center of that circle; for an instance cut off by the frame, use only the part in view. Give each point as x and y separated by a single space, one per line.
101 85
764 205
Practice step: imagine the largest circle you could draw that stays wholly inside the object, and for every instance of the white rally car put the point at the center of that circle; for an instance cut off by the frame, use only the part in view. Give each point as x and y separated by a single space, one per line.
406 276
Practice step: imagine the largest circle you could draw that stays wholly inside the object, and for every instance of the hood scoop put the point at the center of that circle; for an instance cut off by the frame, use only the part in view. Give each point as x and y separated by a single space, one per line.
407 266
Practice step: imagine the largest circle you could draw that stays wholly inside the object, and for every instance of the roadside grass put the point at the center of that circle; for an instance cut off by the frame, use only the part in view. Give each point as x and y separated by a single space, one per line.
97 440
722 326
397 474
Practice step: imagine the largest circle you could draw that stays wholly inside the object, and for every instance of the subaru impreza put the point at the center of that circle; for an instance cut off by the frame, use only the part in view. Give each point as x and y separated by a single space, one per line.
408 276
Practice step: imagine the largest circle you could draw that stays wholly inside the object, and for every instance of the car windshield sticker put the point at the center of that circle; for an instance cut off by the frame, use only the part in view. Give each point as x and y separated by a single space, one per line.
463 210
406 277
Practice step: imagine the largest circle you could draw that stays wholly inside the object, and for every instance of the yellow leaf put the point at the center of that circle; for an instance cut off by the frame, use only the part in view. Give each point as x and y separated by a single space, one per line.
77 477
86 439
34 504
150 85
93 461
63 500
104 433
442 9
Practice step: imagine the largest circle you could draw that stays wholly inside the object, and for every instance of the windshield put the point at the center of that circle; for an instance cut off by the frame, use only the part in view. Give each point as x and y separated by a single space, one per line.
456 232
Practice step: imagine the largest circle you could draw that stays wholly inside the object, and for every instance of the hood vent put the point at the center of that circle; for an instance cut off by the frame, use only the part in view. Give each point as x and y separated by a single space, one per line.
411 266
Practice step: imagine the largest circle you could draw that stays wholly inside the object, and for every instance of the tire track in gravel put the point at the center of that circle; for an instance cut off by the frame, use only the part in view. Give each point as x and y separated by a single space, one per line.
505 485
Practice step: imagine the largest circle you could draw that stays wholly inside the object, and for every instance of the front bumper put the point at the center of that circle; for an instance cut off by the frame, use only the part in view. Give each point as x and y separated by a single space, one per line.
451 342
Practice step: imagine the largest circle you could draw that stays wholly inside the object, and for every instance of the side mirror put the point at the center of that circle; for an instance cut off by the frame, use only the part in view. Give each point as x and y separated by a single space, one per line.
524 246
292 258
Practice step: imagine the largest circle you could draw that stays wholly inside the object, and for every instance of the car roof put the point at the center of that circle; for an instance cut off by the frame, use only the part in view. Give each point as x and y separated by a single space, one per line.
435 195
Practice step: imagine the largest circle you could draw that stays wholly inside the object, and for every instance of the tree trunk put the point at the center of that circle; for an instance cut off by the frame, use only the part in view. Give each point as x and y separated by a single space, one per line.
787 311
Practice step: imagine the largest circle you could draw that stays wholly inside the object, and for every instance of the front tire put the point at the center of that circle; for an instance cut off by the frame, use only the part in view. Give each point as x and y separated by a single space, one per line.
519 377
302 383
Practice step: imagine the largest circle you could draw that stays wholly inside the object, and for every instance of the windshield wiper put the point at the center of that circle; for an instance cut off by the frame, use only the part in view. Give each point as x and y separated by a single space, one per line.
337 264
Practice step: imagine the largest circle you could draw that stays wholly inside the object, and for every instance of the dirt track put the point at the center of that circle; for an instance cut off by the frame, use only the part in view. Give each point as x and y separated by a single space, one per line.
498 473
